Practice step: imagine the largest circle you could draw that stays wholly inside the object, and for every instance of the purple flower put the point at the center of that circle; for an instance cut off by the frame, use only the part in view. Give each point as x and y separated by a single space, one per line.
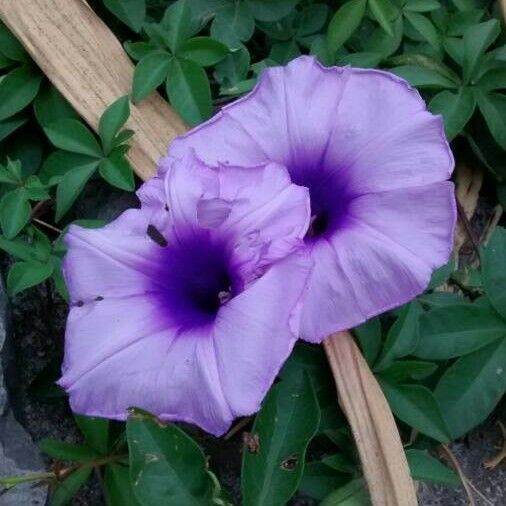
376 164
175 307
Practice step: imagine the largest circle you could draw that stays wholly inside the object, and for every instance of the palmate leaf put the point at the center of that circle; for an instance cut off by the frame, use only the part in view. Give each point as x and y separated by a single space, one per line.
71 135
17 89
150 73
456 108
344 22
131 12
477 39
233 24
113 119
189 91
283 428
204 51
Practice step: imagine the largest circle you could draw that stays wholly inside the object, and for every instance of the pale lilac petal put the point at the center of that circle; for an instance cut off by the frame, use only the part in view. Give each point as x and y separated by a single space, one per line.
114 261
255 332
420 219
367 125
369 267
133 360
256 208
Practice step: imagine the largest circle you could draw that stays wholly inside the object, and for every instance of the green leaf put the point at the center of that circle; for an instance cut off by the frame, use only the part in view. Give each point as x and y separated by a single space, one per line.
23 275
425 28
381 42
10 47
131 12
117 486
383 11
426 468
178 24
363 60
113 119
352 494
8 126
369 336
416 406
401 371
471 388
453 331
71 186
493 108
71 135
67 489
15 212
319 480
17 89
58 163
427 62
166 466
233 24
402 337
442 274
271 10
149 73
18 248
204 51
50 106
344 23
493 262
310 20
62 450
494 79
477 38
117 171
285 425
421 5
459 22
233 68
138 50
456 108
423 77
188 90
283 52
95 431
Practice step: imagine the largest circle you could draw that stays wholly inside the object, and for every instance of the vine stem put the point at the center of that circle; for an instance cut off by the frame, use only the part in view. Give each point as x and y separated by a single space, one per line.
373 426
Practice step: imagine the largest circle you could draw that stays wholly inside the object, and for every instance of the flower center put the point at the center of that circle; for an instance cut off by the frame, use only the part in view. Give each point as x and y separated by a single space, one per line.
195 279
329 201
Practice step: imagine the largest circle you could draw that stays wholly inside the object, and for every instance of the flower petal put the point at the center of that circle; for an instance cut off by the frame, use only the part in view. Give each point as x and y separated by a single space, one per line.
114 261
382 258
257 208
368 125
128 360
255 332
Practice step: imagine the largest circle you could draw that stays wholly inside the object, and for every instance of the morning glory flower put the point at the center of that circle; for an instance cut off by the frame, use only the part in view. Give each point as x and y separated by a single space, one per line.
376 164
176 307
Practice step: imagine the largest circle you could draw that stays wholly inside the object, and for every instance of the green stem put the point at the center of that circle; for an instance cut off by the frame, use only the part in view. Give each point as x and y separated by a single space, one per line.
10 482
17 480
